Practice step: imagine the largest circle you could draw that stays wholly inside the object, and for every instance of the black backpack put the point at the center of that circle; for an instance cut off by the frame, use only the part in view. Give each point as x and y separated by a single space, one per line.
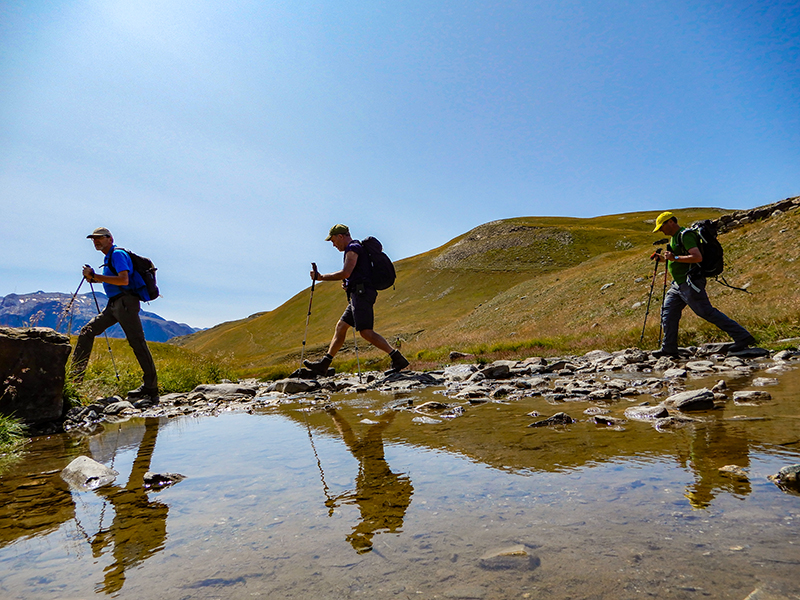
146 270
383 274
709 246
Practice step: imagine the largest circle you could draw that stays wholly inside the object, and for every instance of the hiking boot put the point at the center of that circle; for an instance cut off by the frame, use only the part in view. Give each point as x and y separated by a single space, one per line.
144 393
745 343
664 352
319 367
399 361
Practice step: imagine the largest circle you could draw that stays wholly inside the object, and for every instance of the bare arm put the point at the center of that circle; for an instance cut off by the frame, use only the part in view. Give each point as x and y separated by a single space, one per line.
350 260
694 256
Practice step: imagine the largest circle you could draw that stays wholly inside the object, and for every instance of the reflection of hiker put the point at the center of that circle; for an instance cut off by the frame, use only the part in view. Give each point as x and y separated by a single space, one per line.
382 496
139 528
361 296
689 289
123 308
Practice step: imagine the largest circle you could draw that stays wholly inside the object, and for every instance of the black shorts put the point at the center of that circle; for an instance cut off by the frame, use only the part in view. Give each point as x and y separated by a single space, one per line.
359 312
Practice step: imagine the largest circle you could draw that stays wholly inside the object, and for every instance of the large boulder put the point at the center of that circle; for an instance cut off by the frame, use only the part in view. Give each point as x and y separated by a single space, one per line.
32 371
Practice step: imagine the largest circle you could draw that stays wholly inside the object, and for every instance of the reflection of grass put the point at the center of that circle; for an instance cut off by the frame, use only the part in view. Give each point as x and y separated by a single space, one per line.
179 370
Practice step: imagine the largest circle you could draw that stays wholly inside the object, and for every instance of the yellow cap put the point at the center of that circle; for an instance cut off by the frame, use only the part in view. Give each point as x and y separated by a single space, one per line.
662 218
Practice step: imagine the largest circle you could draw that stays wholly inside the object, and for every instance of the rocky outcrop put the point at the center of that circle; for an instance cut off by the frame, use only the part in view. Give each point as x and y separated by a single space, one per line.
32 370
743 217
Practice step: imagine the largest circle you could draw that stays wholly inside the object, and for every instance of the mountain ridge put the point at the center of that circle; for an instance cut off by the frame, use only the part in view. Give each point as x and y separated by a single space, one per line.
45 309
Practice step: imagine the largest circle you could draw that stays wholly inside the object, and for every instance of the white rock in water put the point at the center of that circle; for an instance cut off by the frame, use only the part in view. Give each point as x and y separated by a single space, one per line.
87 474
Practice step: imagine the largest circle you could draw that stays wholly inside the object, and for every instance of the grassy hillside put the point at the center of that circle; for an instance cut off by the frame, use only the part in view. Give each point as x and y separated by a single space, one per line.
530 284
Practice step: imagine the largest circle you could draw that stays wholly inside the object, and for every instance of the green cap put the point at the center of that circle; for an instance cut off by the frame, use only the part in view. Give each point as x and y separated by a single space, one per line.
662 218
337 229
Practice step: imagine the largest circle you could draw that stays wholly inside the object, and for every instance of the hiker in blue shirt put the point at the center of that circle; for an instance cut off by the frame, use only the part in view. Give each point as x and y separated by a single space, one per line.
688 289
361 296
119 281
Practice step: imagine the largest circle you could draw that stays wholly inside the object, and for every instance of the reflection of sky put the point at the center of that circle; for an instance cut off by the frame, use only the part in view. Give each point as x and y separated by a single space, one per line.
253 502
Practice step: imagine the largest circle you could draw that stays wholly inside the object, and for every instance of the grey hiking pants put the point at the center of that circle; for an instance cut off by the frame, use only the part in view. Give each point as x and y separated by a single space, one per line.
124 310
680 296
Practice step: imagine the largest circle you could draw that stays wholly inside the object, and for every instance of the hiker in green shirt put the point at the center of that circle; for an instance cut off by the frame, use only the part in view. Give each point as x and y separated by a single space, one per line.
689 289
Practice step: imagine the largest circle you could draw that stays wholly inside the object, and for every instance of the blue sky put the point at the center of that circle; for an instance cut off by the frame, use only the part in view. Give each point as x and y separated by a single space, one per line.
223 139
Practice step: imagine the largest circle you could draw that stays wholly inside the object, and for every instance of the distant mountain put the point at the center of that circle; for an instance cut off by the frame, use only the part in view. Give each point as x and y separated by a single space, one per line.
47 309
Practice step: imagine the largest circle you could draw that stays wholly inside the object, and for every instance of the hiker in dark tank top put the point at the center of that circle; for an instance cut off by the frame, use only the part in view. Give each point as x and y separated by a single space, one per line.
688 289
355 276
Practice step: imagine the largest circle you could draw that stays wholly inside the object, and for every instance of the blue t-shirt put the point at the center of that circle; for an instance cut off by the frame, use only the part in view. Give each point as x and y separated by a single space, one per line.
120 261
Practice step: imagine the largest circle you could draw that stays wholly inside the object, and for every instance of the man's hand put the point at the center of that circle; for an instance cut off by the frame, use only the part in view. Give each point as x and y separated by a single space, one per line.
88 273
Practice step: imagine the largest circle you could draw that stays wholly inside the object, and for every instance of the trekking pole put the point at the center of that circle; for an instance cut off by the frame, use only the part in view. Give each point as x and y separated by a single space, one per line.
355 342
308 316
663 297
68 310
108 344
650 297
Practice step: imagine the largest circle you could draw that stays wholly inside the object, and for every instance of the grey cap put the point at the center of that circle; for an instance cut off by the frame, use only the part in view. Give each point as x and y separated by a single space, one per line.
99 232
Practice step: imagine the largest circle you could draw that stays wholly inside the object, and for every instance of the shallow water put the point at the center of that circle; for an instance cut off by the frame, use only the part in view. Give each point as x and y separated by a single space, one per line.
364 502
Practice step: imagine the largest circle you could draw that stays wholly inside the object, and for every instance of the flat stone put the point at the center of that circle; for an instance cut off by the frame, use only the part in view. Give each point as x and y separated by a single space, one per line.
459 372
513 557
118 407
646 413
287 386
673 373
700 366
702 399
751 397
762 381
465 593
557 419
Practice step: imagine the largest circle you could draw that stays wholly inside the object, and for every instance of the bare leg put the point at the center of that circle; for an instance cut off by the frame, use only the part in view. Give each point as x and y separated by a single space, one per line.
376 339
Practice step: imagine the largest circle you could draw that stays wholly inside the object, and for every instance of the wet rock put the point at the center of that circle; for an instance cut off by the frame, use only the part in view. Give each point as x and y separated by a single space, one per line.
502 391
455 355
476 377
294 386
593 411
161 480
515 557
473 391
702 399
85 473
734 472
500 369
646 413
751 397
432 405
557 419
788 479
700 366
425 420
664 363
118 407
459 372
225 391
720 386
604 394
763 381
785 355
608 421
597 356
675 373
672 422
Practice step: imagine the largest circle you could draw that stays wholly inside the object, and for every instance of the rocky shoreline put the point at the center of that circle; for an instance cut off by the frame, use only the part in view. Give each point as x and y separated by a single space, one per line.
659 387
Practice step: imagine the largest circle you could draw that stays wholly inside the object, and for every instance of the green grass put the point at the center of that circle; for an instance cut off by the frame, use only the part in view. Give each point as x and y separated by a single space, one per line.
179 370
12 434
530 286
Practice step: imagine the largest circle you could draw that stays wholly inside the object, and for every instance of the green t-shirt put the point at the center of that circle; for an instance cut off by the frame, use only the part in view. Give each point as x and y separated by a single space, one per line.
676 269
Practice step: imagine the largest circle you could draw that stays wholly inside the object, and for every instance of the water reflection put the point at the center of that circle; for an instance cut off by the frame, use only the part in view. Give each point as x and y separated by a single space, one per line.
139 527
714 445
382 496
